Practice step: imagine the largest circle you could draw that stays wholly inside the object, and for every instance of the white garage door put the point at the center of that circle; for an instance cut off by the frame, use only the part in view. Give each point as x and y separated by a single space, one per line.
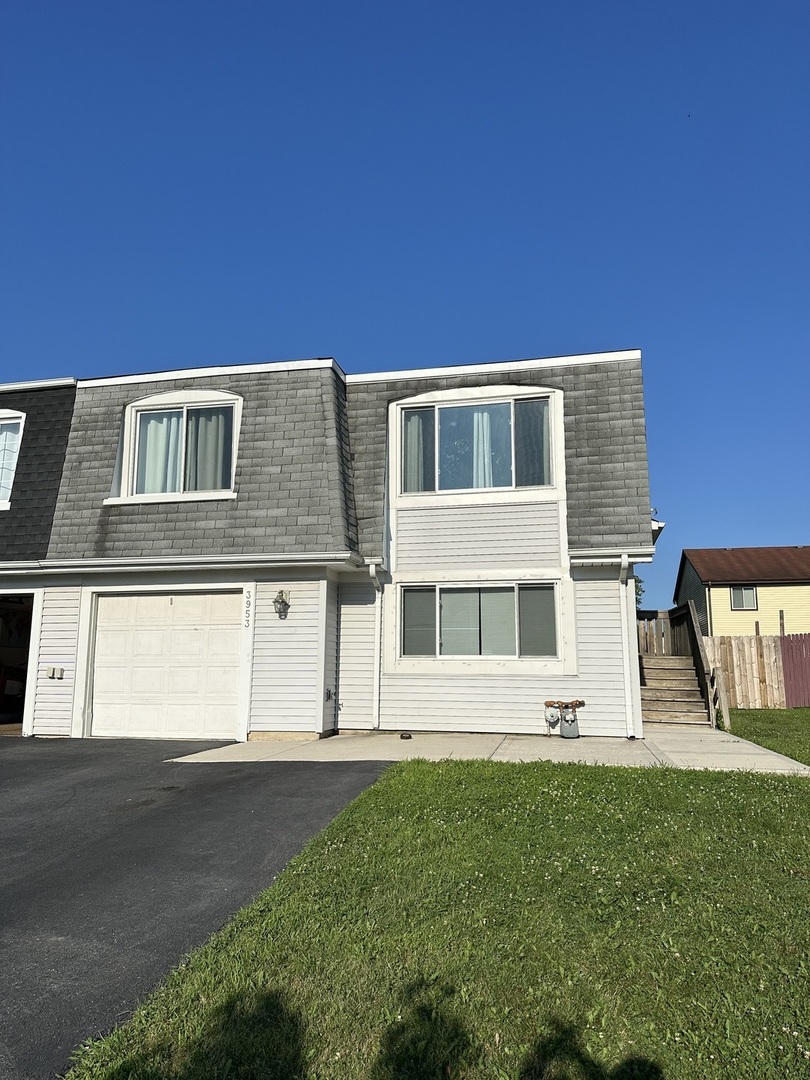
167 667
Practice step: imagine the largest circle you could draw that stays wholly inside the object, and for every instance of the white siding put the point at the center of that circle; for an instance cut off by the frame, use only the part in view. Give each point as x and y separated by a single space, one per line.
514 703
357 656
478 537
58 643
330 658
286 690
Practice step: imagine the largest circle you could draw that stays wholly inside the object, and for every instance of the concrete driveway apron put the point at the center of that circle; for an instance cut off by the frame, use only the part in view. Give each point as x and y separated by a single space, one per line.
115 862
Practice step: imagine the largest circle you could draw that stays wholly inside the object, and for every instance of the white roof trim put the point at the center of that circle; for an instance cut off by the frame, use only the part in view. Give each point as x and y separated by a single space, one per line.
271 367
501 365
35 384
185 562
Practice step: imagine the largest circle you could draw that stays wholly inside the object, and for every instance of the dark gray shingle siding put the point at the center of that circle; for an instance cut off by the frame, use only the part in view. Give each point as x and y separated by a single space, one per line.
290 495
25 527
605 441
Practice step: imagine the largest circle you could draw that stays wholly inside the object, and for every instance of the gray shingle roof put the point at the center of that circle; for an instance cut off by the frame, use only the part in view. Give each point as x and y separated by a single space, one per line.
605 439
25 527
294 495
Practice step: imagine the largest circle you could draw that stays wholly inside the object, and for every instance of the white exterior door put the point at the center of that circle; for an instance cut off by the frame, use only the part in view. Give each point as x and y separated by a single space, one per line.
167 666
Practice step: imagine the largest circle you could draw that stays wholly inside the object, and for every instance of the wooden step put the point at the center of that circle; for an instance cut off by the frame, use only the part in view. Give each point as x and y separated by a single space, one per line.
673 705
686 719
670 693
648 660
686 681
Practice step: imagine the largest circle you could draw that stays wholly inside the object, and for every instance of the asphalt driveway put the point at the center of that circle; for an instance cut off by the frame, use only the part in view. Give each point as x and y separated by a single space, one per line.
115 862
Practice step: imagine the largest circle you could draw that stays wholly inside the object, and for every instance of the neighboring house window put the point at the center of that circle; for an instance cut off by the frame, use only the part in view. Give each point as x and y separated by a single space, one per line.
179 445
11 426
501 444
513 620
743 598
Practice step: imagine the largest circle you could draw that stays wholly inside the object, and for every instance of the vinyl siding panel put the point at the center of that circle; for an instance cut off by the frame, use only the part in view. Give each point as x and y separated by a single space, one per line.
794 600
285 689
477 537
58 644
357 656
692 588
514 704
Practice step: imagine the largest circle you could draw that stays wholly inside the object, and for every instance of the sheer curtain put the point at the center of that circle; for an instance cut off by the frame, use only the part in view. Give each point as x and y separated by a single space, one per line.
160 452
482 448
9 445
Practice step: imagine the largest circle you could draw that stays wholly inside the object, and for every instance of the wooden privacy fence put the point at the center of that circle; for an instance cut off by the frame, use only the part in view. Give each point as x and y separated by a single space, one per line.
763 672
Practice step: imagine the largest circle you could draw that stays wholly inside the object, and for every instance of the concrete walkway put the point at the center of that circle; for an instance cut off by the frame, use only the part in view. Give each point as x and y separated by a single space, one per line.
678 747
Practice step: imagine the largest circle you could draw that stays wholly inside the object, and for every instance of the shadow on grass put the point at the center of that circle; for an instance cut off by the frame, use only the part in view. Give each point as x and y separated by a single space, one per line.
429 1042
560 1055
263 1039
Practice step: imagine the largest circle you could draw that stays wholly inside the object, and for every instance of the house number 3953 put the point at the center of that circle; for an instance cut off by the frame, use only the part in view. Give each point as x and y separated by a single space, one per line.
248 606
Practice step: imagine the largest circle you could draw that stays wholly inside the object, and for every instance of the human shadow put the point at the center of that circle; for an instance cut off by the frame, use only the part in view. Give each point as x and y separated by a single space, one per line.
258 1037
560 1055
428 1042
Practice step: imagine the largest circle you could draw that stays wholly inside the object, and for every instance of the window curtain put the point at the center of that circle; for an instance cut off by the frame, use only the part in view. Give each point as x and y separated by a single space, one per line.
9 446
482 449
160 452
418 450
209 440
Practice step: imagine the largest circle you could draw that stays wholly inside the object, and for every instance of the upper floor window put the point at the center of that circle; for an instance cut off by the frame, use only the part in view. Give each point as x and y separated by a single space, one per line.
468 447
743 598
11 427
179 445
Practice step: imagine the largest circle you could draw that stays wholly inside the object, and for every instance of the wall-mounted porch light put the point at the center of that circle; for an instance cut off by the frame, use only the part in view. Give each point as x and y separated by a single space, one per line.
282 603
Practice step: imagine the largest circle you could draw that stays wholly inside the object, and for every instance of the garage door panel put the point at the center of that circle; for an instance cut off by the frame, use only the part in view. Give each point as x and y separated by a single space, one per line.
168 666
189 643
224 642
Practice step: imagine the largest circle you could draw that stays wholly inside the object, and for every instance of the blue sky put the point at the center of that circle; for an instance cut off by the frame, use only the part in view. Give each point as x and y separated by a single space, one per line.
396 185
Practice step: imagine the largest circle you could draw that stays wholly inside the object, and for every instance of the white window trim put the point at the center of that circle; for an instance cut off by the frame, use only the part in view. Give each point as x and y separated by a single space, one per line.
175 399
8 414
743 607
476 496
565 663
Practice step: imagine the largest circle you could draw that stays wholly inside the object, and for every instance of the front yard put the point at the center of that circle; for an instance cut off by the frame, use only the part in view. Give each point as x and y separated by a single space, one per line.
787 731
484 920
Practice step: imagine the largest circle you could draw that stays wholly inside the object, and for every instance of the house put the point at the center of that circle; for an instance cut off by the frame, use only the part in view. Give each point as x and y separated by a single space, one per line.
234 552
739 591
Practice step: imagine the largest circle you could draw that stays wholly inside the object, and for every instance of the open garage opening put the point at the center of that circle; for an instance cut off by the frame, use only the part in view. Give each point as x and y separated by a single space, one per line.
15 644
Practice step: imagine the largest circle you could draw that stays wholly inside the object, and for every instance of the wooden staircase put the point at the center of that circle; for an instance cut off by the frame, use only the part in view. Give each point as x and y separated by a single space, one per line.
670 691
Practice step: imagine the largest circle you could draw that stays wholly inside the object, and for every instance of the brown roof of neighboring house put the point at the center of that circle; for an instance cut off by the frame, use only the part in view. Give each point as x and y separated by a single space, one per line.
754 565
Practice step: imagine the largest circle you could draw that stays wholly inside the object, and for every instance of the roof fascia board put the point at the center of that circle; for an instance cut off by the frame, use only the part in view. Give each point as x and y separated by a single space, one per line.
271 368
36 384
500 366
202 562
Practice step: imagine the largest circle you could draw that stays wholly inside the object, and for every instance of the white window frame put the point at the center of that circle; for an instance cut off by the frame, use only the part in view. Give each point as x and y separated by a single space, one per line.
490 395
175 400
471 666
743 606
8 415
453 586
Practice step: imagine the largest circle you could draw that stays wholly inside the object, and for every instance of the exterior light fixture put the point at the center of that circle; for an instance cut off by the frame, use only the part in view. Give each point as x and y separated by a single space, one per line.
282 603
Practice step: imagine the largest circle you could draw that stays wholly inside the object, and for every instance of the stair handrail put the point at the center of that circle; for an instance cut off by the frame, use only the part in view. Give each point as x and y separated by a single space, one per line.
700 658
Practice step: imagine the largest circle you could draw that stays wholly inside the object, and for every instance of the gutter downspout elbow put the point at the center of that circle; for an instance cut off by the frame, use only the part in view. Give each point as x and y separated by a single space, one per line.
624 569
372 573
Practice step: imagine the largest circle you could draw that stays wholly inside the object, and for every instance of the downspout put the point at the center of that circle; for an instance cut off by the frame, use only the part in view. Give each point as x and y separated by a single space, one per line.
375 706
629 704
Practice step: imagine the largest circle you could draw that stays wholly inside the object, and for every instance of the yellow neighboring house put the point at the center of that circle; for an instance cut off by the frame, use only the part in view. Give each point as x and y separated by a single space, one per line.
756 590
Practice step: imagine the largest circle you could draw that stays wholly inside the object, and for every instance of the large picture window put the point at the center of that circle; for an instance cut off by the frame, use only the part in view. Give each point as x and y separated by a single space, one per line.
11 425
503 444
511 620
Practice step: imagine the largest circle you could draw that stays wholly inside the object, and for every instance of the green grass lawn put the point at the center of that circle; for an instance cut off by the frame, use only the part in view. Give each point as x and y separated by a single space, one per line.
787 731
488 920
